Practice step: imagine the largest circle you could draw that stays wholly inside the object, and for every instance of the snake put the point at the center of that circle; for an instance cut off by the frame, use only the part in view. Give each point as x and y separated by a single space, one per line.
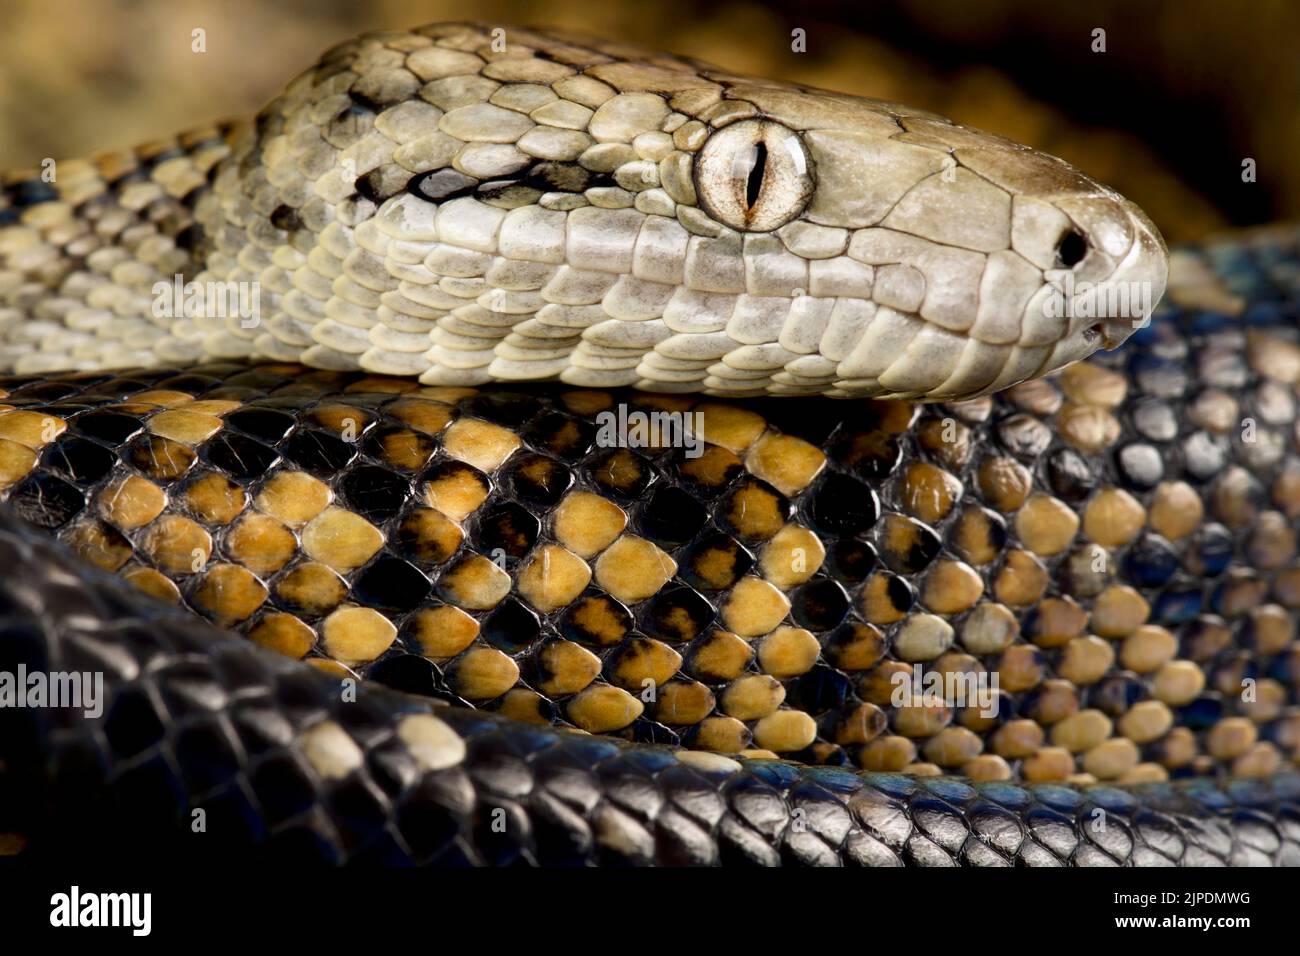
512 447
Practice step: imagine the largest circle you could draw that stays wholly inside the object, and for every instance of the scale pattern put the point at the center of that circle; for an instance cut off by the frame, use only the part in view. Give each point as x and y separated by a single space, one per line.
282 768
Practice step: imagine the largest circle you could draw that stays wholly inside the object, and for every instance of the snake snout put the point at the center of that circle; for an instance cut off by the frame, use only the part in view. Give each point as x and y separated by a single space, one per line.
1112 308
1109 273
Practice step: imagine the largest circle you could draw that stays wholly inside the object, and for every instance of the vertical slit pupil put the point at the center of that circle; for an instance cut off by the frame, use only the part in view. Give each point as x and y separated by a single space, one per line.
755 184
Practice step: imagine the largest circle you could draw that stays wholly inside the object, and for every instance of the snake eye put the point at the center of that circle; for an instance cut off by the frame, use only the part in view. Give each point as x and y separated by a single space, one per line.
1071 248
754 176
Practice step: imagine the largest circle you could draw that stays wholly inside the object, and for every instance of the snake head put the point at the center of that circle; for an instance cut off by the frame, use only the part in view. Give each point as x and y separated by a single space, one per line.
434 204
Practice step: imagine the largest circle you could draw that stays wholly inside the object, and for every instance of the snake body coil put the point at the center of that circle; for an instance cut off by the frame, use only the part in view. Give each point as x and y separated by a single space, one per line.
1109 552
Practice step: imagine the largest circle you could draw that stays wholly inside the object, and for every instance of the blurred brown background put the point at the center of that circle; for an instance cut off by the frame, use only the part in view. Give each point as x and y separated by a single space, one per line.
1184 92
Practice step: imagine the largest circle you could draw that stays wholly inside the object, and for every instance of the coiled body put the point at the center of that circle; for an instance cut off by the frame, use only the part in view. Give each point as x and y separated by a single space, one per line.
282 768
1105 560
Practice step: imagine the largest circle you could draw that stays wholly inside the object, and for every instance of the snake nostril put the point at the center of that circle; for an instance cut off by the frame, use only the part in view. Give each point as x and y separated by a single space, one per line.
1071 248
